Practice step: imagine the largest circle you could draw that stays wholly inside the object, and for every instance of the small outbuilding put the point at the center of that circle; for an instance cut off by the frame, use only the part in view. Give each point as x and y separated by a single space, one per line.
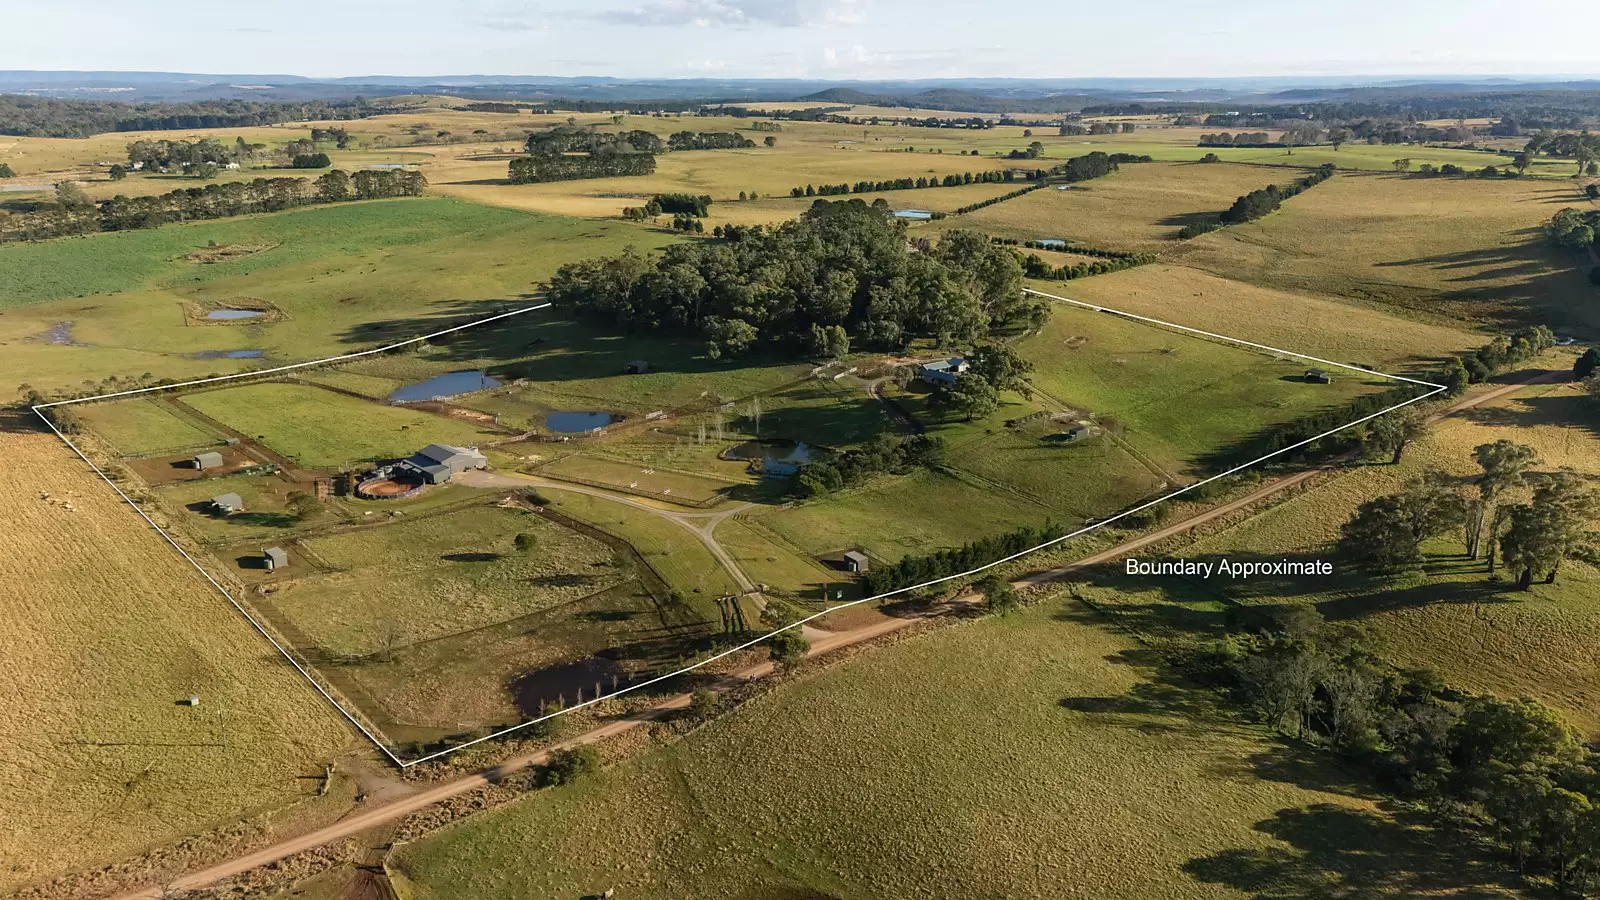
274 558
1077 433
637 367
210 460
1318 376
227 504
857 562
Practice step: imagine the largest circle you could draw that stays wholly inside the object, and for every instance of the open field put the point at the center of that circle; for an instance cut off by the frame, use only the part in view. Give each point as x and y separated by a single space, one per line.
143 425
630 476
343 278
682 561
1474 250
1175 397
469 576
1303 323
1478 634
1140 207
1026 756
315 427
108 628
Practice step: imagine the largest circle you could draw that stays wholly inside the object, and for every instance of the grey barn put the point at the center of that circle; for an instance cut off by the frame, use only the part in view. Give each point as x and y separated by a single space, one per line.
228 504
857 562
438 463
211 460
275 557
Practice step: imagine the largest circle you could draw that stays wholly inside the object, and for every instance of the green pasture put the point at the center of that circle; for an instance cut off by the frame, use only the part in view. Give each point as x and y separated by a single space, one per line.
429 577
770 560
266 512
143 425
345 278
895 516
681 560
1033 755
1171 396
315 427
631 476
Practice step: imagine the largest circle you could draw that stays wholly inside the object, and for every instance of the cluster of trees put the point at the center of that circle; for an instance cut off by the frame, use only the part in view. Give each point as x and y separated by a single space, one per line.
1573 228
1088 166
310 161
681 205
841 263
1581 147
885 453
569 167
164 156
1510 769
44 117
73 214
1258 203
903 184
710 140
1243 139
576 139
1077 129
992 368
6 171
688 223
1534 536
1503 352
1033 151
912 570
1288 434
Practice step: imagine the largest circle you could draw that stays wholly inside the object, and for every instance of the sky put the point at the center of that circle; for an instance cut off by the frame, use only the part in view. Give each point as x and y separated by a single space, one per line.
828 39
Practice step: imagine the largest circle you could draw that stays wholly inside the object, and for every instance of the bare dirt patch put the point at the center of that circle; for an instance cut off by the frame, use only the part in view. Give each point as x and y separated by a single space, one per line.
219 253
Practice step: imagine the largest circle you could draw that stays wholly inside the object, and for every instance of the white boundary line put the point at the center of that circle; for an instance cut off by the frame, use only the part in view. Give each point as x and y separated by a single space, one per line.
404 764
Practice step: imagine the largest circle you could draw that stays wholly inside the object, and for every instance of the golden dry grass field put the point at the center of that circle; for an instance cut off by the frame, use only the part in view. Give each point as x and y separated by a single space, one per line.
107 628
1469 248
1140 207
1302 323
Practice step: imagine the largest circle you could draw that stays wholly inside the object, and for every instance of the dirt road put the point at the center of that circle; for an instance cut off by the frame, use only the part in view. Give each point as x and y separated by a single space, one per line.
388 812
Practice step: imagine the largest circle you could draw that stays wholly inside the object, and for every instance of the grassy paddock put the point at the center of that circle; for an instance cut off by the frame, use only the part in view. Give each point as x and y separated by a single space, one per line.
1140 207
1089 772
315 427
1474 250
143 425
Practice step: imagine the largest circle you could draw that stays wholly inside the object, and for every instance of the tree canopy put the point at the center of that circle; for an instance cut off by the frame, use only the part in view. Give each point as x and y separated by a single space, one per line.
842 264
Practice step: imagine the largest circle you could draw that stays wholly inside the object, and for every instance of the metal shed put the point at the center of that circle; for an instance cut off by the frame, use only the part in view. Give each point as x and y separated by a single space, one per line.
228 503
856 561
209 460
276 557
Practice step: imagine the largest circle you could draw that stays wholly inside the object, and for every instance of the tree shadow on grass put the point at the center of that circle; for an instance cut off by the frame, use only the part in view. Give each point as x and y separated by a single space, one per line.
1563 410
1335 851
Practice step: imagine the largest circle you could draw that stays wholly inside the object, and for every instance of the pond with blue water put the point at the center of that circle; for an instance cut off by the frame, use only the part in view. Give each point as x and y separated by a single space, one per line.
578 422
235 313
446 386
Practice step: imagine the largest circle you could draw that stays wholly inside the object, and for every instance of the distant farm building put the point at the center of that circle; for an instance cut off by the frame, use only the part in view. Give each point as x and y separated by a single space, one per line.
1318 376
637 367
208 460
944 371
227 504
438 463
916 215
1078 433
274 558
857 562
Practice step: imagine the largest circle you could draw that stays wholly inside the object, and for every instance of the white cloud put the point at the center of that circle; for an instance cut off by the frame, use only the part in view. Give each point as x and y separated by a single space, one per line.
707 13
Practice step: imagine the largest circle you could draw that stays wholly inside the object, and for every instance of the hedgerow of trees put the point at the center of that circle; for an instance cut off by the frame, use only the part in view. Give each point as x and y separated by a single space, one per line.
839 264
76 215
1258 203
